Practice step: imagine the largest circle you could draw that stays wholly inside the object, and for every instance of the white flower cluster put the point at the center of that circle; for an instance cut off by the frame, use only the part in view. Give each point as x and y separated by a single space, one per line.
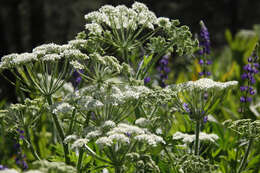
113 95
11 60
187 138
63 108
70 138
45 52
94 134
78 43
125 134
164 22
79 143
120 17
150 139
46 166
76 65
108 124
88 103
142 122
9 171
206 84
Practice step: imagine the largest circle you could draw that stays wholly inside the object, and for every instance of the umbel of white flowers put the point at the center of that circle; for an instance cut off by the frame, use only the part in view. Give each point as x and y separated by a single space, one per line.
198 97
188 138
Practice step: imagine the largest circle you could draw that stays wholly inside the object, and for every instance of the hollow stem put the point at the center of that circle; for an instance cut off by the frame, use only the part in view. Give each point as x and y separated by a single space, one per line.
197 134
242 165
60 132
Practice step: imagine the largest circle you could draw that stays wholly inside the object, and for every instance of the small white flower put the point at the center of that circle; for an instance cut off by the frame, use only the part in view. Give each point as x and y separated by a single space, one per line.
78 43
34 171
187 138
94 134
164 22
51 57
109 124
208 84
63 108
94 28
70 138
77 65
104 141
68 87
150 139
142 122
79 143
119 138
8 171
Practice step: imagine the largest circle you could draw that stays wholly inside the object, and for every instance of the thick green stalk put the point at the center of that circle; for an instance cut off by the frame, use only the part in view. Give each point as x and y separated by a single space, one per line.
242 165
197 139
81 152
60 132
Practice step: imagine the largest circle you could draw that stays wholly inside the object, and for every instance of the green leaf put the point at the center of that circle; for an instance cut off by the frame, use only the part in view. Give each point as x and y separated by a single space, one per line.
228 36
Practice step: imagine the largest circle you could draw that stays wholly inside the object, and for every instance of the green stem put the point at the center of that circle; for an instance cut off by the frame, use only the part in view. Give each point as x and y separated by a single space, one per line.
61 132
197 133
242 165
92 153
36 156
118 169
81 152
72 121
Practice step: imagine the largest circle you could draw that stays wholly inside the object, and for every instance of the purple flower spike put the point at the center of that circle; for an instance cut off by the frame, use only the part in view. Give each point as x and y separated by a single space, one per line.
242 99
250 59
147 80
205 119
186 107
243 88
205 41
164 70
208 73
201 61
244 76
249 99
201 73
209 62
252 92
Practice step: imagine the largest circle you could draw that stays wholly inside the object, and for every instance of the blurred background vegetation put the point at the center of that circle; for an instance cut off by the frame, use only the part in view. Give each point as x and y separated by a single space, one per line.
29 23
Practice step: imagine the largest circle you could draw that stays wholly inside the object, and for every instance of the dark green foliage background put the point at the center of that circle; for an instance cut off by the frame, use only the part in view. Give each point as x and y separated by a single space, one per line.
25 24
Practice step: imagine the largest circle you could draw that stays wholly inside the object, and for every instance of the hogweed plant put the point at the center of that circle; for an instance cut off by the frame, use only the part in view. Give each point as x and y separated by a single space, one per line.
93 105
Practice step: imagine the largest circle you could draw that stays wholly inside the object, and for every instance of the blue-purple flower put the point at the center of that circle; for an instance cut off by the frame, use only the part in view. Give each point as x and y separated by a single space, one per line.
204 44
205 40
77 78
20 158
2 167
186 108
147 80
250 70
164 70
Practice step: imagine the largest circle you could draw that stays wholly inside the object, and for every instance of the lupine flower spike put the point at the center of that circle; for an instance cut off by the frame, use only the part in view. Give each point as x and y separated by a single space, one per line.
204 44
164 70
250 70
